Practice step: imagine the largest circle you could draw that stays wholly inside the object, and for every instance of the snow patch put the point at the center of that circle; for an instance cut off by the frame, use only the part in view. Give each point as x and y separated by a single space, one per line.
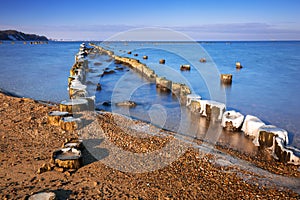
293 152
251 126
234 117
278 132
192 97
212 104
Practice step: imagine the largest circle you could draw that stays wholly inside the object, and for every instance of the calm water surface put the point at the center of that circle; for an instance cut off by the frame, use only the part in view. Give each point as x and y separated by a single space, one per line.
268 86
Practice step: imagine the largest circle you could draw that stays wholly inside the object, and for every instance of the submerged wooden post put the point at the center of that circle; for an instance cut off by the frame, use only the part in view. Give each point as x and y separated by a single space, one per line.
226 78
162 61
202 60
238 65
185 67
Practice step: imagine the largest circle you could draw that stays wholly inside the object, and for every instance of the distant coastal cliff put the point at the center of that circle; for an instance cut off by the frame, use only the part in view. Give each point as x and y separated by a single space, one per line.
14 35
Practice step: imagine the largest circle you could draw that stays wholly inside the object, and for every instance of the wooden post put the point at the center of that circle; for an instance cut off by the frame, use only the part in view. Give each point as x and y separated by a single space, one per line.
55 116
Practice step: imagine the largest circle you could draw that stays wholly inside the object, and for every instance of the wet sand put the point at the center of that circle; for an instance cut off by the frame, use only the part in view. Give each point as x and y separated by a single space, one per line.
27 142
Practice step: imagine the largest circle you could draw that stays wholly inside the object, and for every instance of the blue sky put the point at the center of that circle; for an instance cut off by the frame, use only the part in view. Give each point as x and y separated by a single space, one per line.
199 19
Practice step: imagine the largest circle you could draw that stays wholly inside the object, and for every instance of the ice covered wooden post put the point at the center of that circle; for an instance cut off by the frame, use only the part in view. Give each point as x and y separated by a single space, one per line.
267 134
55 116
193 102
77 89
212 110
284 153
73 105
232 120
72 78
73 143
67 158
70 123
251 127
184 91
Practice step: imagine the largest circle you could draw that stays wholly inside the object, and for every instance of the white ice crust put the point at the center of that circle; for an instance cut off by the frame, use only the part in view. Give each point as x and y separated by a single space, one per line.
232 116
219 105
192 97
251 126
71 119
294 159
278 132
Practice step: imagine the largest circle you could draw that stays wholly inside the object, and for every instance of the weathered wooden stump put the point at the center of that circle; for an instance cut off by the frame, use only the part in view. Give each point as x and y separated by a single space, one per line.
267 133
232 120
214 110
176 87
195 106
73 143
77 90
67 158
226 78
145 57
70 123
202 60
185 67
55 116
73 105
192 97
162 61
284 153
238 65
163 83
129 52
193 102
126 104
184 91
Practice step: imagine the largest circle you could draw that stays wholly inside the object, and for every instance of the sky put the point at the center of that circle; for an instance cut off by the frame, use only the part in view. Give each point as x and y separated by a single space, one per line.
197 19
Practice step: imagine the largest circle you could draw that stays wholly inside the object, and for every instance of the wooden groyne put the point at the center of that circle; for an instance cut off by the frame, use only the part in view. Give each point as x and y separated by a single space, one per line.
70 156
161 82
264 136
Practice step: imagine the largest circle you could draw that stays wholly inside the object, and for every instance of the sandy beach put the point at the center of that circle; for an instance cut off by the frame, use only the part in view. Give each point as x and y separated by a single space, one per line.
27 142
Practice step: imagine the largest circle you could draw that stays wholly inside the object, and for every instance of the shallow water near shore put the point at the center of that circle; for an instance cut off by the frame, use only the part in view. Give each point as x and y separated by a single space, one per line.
268 86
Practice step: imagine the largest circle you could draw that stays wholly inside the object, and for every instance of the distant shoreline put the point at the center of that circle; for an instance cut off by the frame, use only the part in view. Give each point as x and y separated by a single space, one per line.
161 41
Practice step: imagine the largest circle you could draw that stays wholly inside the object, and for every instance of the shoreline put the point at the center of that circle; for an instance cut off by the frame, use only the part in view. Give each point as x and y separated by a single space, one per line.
106 173
19 165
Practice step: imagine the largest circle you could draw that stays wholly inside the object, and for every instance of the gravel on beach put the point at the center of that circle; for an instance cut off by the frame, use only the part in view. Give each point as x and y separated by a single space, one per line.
27 142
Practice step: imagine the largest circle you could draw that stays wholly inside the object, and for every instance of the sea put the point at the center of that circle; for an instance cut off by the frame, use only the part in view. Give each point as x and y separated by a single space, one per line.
268 85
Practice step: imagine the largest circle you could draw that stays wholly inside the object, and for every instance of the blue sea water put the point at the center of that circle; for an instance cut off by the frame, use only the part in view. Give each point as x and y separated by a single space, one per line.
37 71
267 86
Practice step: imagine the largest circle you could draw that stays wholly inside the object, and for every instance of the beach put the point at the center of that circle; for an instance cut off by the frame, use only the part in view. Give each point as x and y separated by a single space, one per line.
27 142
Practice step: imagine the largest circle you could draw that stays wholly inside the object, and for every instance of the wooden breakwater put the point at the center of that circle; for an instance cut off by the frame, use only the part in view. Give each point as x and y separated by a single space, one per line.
264 136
